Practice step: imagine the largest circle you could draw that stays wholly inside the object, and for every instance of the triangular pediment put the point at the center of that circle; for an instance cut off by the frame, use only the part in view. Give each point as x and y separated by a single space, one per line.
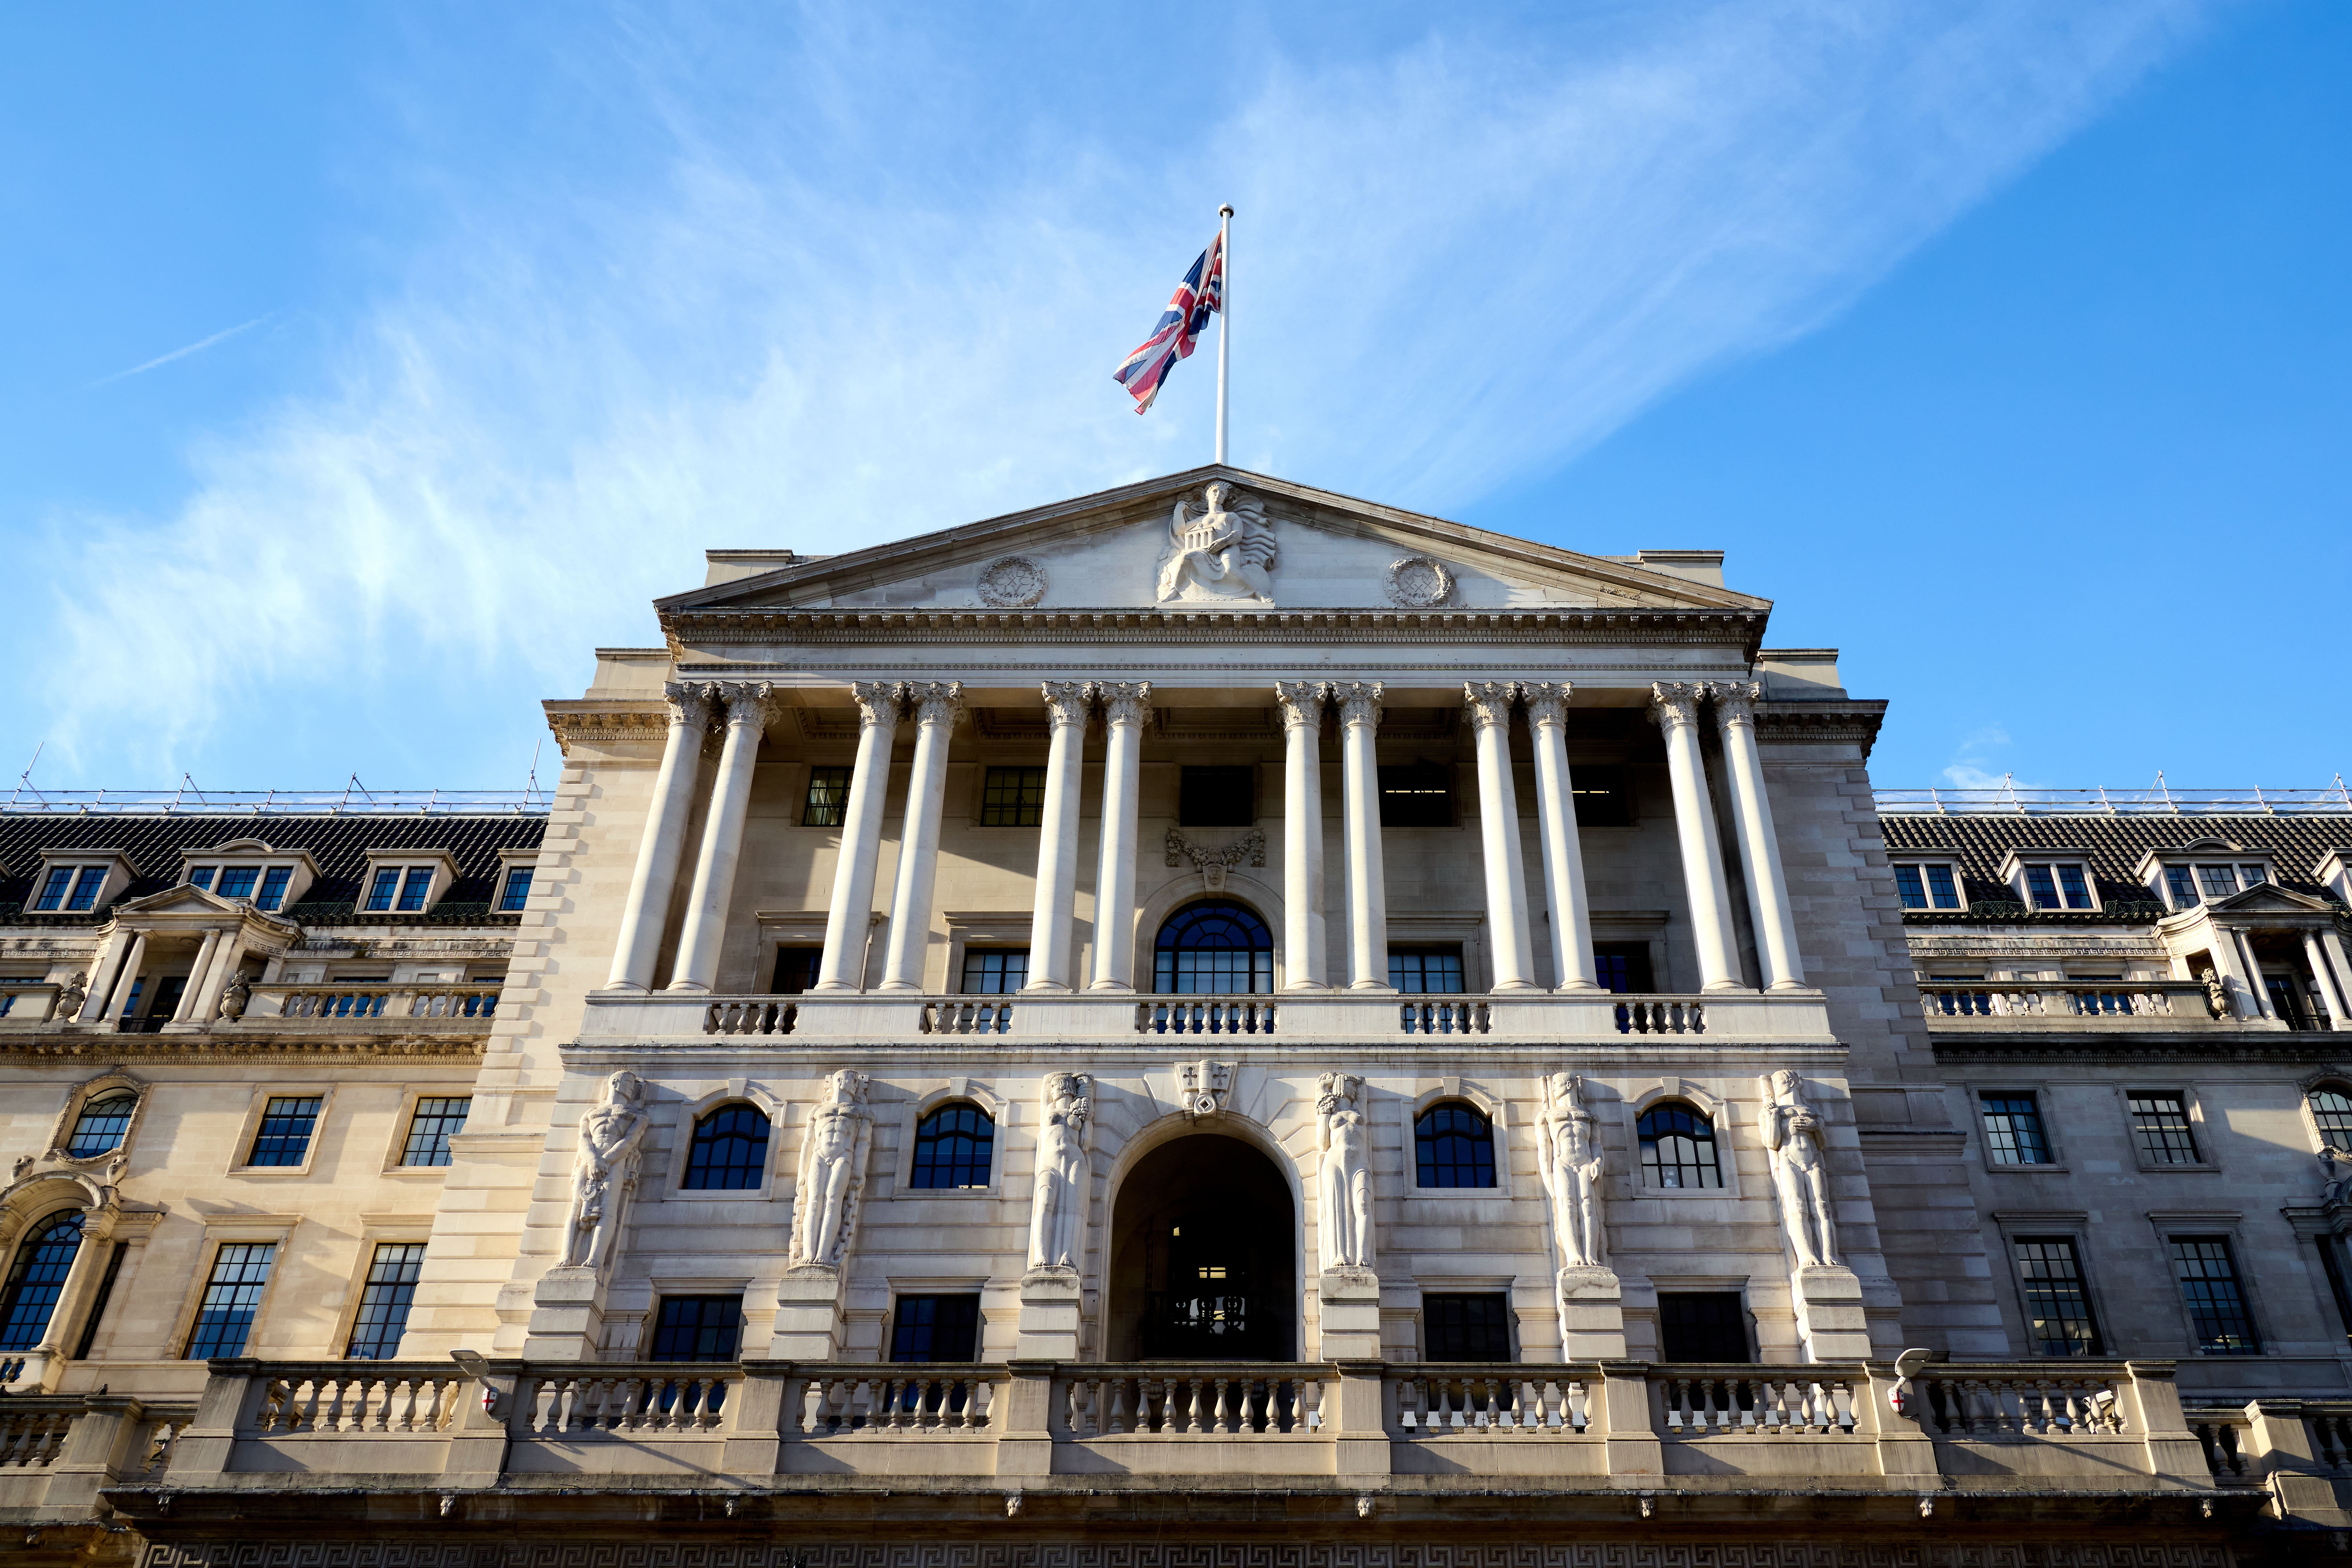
185 900
1267 544
2269 897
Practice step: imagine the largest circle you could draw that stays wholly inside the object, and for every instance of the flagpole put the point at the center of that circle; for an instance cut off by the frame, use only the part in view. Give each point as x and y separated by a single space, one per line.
1225 317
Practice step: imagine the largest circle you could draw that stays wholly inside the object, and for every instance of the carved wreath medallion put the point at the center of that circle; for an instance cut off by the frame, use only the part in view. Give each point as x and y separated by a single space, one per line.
1417 581
1011 582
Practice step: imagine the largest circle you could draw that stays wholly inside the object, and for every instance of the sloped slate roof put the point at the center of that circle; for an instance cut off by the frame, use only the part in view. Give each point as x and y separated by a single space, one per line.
339 845
2114 844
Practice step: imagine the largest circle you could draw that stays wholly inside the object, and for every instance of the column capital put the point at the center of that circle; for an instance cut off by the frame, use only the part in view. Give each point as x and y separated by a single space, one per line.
1547 701
1489 703
1359 701
1675 702
1124 702
1734 702
689 702
1301 703
749 702
877 703
1065 703
939 702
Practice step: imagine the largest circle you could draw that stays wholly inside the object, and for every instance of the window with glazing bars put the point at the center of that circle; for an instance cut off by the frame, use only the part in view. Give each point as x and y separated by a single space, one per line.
2332 1110
1679 1147
1012 798
202 877
70 888
2059 886
100 1125
2160 1125
698 1328
414 883
2012 1124
953 1146
1425 971
1454 1146
273 883
437 1120
994 970
385 1300
935 1328
1926 887
286 1122
36 1278
517 891
2058 1319
1466 1327
383 888
231 1296
2181 885
828 801
2209 1288
730 1151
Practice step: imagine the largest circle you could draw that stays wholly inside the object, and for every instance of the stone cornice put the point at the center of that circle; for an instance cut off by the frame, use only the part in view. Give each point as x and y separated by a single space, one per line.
2126 1049
607 722
208 1048
1821 723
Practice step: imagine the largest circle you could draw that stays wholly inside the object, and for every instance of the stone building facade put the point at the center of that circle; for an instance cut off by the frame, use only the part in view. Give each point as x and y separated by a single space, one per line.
1209 1019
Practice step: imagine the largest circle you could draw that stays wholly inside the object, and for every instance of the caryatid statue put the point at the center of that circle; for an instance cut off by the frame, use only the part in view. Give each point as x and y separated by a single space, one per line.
1343 1182
1793 1134
604 1170
1571 1170
1058 1205
832 1173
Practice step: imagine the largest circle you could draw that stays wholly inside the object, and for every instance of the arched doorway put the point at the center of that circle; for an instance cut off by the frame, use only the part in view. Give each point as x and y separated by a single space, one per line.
1204 1263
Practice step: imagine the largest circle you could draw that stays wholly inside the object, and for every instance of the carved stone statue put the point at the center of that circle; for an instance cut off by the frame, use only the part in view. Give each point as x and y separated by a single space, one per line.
604 1170
235 996
2336 1170
1571 1170
1220 549
2217 993
1793 1134
1343 1185
832 1173
1058 1206
72 995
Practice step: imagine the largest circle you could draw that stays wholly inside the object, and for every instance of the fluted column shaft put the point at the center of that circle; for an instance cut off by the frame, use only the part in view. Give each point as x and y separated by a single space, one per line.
1127 707
1368 896
662 847
841 967
1306 959
939 704
1514 957
1066 702
1563 853
1675 705
198 975
1760 845
119 997
723 838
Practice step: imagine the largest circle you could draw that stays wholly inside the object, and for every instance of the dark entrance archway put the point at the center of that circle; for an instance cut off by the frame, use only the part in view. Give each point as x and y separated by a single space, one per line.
1203 1260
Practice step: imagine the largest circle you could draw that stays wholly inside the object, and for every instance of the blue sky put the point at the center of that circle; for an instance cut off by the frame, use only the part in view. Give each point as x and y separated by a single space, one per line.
367 365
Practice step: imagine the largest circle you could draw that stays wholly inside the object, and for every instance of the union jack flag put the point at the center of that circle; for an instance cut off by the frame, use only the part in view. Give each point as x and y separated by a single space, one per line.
1203 291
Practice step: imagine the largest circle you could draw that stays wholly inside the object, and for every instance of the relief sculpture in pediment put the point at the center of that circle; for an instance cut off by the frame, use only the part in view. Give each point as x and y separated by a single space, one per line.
1219 550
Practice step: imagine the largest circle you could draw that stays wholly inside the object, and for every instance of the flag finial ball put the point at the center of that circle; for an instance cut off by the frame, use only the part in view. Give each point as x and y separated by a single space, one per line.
1227 210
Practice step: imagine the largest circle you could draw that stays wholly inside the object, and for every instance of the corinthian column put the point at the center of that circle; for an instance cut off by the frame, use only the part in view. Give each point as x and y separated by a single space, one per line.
1305 959
1563 855
1760 846
1127 707
843 965
1499 833
938 705
748 707
660 847
1675 705
1367 893
1057 838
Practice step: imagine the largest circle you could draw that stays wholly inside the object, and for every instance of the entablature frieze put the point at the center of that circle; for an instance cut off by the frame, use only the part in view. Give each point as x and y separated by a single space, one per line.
2121 1050
178 1049
606 722
2035 947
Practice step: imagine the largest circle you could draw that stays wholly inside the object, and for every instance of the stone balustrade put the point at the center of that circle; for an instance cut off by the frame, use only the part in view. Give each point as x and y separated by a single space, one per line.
886 1017
459 1008
58 1451
2066 1006
28 1006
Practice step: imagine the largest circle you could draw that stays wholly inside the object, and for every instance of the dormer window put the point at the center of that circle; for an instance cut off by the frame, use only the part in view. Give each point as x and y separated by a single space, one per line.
262 885
249 871
400 888
2058 885
1929 885
2203 873
70 888
405 881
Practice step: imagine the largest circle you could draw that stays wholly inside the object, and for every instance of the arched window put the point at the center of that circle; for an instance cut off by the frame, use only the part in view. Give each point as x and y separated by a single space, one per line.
952 1147
1679 1147
1214 948
36 1279
102 1124
2331 1108
729 1150
1454 1146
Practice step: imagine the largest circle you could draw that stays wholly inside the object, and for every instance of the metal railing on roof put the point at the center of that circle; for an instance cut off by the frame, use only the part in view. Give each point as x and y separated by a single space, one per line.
354 799
2158 800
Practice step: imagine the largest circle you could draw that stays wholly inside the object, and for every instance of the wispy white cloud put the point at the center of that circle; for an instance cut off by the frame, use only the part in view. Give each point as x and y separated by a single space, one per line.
866 294
199 346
